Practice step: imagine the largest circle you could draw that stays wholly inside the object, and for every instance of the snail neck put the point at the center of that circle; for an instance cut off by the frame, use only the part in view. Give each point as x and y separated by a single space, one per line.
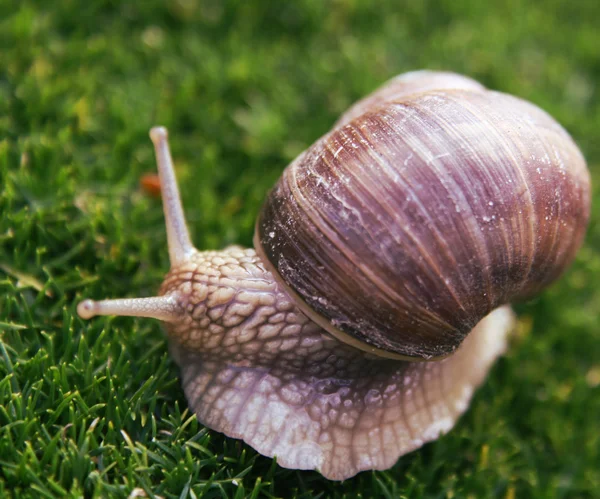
234 313
228 304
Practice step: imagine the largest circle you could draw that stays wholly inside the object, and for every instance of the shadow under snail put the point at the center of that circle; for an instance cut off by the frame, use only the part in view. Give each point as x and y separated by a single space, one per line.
374 302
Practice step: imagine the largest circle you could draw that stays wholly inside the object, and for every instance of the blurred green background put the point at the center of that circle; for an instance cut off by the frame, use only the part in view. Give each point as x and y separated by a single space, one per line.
95 409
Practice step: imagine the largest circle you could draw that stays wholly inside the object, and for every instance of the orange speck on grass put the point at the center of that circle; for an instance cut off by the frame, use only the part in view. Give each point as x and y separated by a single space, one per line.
150 184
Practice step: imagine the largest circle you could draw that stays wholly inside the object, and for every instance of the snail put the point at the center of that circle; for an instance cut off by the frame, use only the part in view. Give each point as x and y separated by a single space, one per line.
377 294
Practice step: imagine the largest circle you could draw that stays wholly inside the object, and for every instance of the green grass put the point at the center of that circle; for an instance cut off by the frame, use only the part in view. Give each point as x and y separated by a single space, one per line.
94 408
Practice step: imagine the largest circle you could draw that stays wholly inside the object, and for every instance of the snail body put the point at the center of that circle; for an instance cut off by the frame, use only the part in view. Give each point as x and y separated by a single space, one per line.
397 238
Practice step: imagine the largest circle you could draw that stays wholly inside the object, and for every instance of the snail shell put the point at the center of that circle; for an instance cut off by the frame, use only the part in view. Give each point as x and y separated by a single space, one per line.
420 213
430 204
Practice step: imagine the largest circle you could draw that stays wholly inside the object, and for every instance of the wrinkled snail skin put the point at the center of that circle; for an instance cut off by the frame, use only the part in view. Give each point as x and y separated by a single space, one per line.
254 367
438 200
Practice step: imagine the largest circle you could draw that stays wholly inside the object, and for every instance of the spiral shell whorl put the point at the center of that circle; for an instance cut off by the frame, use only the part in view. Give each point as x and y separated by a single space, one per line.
406 225
407 84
